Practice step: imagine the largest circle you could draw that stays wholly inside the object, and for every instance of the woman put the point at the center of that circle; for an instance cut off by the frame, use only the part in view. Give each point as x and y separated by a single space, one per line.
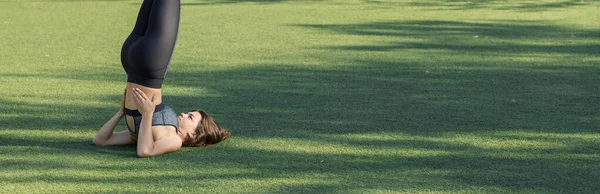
153 126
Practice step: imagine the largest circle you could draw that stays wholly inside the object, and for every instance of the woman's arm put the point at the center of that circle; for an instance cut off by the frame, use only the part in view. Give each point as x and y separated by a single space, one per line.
106 131
146 146
105 135
145 140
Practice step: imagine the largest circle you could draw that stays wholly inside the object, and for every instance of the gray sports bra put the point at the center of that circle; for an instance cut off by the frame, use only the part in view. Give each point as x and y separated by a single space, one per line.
163 115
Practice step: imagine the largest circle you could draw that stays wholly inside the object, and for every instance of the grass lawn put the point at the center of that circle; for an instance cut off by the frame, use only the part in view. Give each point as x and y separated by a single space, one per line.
322 96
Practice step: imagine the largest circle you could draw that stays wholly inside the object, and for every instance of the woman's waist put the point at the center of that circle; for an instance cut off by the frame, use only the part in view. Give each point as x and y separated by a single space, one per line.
135 113
155 93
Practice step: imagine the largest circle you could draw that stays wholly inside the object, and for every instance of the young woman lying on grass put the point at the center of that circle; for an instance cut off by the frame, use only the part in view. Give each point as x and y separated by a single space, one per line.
145 56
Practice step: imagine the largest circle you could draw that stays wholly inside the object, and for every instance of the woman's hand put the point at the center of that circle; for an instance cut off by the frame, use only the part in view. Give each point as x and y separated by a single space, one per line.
145 105
122 108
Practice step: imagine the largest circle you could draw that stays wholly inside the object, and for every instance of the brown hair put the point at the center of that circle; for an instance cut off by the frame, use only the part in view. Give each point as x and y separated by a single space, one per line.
208 132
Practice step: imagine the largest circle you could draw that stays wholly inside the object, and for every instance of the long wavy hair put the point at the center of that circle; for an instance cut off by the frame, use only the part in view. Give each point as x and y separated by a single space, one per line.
209 132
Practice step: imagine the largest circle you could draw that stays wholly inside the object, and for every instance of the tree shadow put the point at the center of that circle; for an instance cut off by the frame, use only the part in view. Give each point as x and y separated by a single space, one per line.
215 2
385 97
527 170
379 97
500 37
49 116
526 6
72 0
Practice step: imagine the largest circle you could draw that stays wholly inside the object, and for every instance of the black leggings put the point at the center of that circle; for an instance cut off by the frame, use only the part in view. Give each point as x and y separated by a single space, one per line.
147 52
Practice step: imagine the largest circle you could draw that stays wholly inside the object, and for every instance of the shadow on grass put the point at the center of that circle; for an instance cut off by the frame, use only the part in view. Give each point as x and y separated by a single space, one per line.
528 6
371 96
495 169
73 0
215 2
379 97
495 38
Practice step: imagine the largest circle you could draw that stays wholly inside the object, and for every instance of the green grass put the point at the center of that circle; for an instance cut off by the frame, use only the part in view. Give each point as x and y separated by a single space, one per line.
322 96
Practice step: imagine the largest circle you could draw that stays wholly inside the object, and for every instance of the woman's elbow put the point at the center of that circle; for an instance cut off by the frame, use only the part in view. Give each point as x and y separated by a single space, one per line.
143 154
98 142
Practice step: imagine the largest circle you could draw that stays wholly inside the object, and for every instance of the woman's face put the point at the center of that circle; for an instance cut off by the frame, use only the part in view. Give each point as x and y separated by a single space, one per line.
188 123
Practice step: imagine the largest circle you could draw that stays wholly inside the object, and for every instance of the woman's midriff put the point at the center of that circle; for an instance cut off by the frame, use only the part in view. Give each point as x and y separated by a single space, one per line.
130 102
